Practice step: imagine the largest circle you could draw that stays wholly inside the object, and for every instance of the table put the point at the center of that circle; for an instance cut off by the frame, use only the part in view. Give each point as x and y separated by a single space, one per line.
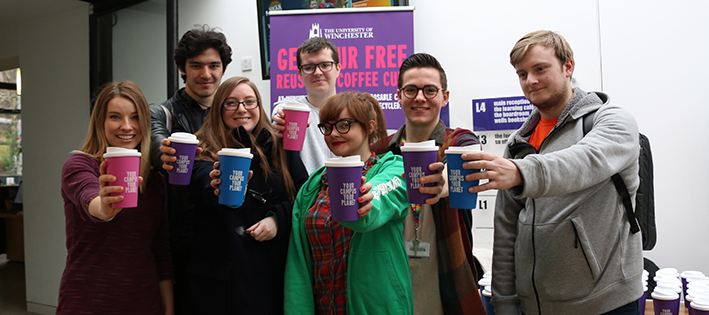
650 310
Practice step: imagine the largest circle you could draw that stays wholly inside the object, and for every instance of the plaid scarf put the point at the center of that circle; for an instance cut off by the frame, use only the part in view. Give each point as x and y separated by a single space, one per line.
456 265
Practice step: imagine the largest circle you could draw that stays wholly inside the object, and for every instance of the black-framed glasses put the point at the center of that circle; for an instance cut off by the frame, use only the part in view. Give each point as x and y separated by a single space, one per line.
342 126
429 91
324 66
234 105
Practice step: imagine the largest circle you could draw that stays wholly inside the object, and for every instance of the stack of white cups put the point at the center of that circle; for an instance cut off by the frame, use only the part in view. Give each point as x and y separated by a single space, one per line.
485 285
644 297
666 295
697 297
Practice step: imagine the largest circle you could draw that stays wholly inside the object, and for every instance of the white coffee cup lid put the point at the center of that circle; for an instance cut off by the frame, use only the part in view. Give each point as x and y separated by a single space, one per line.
697 282
661 294
463 149
487 291
296 106
691 273
700 303
118 152
667 271
667 279
669 287
347 161
699 290
422 146
183 137
485 281
244 152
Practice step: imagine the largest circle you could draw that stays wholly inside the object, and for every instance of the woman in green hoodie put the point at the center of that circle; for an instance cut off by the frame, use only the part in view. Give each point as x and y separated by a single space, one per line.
357 267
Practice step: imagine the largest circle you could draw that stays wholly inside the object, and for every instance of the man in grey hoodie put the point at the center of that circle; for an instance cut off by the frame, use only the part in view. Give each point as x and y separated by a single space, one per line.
562 241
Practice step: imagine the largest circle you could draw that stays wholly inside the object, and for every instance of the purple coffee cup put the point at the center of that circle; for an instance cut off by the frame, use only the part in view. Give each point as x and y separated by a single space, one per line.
234 165
700 306
665 302
344 179
185 145
125 165
417 157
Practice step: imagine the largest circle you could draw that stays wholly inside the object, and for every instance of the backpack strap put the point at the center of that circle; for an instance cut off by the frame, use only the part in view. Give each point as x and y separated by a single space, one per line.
617 180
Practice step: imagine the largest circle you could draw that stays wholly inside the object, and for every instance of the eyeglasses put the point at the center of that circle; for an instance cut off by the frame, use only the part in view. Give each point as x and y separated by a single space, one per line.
309 68
342 126
233 105
411 91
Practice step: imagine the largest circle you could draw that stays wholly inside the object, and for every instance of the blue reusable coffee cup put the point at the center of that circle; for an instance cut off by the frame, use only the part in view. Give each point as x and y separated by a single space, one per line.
234 166
458 194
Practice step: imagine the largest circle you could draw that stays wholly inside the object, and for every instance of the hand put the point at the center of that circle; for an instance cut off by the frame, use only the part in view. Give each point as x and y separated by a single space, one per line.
365 198
264 230
168 154
501 172
105 211
214 174
279 123
438 190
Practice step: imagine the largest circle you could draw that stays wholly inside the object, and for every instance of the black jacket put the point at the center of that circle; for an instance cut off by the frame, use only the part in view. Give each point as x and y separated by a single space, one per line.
231 273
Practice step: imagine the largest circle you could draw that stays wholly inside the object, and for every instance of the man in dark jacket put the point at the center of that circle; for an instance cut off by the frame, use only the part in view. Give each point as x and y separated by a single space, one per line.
202 55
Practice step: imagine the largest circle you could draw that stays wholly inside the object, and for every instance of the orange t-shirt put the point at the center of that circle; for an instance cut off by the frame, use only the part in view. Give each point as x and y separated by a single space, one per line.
542 131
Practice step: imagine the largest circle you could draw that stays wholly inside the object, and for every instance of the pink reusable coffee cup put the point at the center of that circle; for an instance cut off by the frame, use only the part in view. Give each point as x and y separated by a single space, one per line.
344 179
417 157
296 117
125 165
185 145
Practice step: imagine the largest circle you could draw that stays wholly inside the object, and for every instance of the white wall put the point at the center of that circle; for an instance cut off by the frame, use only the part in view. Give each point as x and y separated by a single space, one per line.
656 67
54 57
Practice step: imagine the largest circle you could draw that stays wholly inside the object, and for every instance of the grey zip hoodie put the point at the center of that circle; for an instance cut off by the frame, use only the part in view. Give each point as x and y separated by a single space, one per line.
562 242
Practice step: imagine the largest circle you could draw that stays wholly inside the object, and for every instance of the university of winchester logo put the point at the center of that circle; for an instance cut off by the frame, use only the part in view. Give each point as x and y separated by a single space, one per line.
315 31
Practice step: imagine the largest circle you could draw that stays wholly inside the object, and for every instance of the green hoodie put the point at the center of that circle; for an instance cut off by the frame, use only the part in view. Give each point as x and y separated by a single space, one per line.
377 269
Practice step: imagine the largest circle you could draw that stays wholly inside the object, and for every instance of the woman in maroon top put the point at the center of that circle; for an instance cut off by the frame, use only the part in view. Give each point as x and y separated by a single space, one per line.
118 259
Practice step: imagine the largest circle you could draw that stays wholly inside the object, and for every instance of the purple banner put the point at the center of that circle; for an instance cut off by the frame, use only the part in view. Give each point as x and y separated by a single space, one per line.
371 44
505 113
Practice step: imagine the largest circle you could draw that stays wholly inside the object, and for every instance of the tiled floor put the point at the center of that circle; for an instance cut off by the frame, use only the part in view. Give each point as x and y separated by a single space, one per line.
12 287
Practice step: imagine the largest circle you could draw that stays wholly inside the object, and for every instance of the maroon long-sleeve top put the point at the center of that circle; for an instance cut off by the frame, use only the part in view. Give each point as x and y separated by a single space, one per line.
112 267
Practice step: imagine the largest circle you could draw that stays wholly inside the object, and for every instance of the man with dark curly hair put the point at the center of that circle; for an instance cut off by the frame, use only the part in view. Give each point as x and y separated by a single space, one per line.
202 55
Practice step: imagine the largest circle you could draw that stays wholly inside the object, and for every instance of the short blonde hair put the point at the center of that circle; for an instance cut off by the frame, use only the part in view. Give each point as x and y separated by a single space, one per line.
548 39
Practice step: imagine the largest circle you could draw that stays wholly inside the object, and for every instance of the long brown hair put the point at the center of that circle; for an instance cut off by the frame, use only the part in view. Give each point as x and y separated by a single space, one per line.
215 135
96 142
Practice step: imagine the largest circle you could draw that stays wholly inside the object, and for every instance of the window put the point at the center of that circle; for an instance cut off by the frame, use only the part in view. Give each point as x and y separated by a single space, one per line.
10 126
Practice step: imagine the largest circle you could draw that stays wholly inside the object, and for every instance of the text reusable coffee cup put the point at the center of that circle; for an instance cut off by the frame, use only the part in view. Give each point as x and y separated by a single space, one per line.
125 165
296 117
185 145
234 165
459 196
665 302
417 157
344 179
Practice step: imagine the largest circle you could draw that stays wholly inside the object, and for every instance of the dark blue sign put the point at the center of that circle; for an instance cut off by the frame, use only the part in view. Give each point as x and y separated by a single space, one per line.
505 113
